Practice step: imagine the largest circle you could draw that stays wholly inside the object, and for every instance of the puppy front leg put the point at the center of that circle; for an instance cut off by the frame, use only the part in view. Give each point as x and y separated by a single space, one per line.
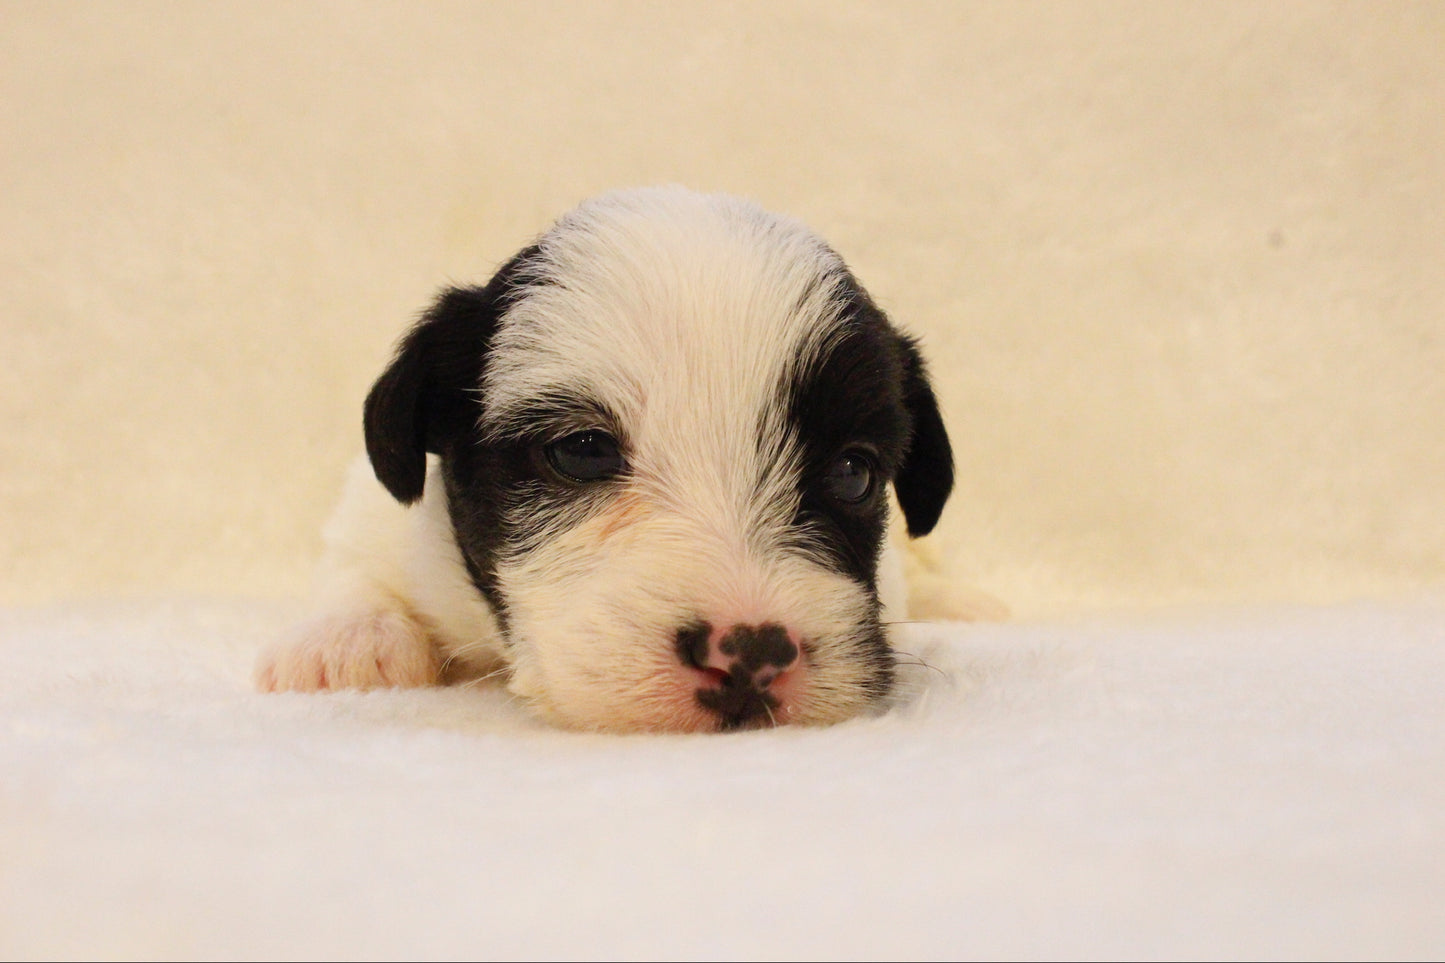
367 634
351 649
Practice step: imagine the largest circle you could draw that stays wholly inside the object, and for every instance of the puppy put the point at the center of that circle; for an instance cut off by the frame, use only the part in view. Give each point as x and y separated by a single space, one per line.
644 474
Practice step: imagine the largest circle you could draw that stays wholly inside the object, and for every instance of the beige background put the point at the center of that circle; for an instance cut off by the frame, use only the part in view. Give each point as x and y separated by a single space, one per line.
1180 267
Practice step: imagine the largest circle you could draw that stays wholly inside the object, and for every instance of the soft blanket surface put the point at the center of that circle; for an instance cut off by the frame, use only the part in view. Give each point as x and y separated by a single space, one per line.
1263 783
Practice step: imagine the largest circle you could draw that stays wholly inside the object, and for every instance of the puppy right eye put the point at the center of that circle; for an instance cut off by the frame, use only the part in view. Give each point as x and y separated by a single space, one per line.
587 456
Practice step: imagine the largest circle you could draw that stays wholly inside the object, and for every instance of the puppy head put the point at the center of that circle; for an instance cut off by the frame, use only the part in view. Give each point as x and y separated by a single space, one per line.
666 433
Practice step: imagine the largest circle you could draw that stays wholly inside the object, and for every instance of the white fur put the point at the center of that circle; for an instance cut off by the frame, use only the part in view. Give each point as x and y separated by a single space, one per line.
679 315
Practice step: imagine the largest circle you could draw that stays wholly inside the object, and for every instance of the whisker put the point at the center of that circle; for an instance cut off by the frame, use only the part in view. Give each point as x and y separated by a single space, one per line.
472 683
468 648
913 659
918 662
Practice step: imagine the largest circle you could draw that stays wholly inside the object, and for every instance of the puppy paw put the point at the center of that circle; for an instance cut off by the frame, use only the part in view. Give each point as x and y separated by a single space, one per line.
370 650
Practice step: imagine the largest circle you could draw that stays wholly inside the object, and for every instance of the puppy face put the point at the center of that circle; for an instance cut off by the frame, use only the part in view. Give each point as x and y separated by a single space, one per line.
666 432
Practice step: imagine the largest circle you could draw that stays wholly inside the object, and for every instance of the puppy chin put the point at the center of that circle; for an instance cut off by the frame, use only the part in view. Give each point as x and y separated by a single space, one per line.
665 703
668 700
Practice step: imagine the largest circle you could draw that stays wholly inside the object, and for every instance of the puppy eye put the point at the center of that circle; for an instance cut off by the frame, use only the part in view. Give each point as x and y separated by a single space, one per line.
850 478
587 456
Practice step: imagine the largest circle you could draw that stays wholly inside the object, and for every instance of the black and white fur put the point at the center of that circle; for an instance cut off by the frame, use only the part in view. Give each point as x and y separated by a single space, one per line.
643 473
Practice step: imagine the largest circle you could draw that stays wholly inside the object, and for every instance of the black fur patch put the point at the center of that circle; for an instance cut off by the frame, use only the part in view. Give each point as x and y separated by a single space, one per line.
925 479
427 401
867 392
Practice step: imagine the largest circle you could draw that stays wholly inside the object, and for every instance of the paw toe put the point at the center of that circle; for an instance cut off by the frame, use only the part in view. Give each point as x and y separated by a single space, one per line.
369 651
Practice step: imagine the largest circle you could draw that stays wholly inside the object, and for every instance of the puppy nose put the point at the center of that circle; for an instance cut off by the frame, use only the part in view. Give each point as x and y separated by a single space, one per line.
741 662
751 655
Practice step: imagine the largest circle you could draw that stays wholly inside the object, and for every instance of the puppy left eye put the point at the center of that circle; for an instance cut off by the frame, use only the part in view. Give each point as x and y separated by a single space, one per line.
850 478
586 456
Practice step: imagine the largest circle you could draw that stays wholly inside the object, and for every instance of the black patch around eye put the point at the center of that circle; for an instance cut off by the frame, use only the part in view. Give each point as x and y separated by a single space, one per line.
847 412
586 456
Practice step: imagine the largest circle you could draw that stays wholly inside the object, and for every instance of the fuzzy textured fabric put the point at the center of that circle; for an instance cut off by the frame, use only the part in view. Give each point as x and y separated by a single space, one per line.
1266 783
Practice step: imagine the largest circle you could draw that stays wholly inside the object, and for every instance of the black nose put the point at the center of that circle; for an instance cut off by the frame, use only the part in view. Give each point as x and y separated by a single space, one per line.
741 663
760 651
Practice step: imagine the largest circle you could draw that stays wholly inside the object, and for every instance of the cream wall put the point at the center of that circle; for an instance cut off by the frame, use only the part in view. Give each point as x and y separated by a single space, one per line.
1180 267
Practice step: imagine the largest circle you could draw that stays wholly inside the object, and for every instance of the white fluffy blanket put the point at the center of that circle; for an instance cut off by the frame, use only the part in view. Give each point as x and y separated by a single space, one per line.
1264 783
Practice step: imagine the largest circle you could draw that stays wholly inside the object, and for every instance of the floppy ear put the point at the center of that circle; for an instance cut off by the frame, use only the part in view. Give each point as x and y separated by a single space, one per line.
429 396
926 477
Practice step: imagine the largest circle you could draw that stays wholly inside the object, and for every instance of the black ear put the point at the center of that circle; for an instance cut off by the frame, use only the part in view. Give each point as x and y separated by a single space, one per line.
926 477
429 397
423 399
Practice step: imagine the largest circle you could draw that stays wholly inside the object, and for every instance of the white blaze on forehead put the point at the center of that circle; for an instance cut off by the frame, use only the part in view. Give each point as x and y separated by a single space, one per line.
683 316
